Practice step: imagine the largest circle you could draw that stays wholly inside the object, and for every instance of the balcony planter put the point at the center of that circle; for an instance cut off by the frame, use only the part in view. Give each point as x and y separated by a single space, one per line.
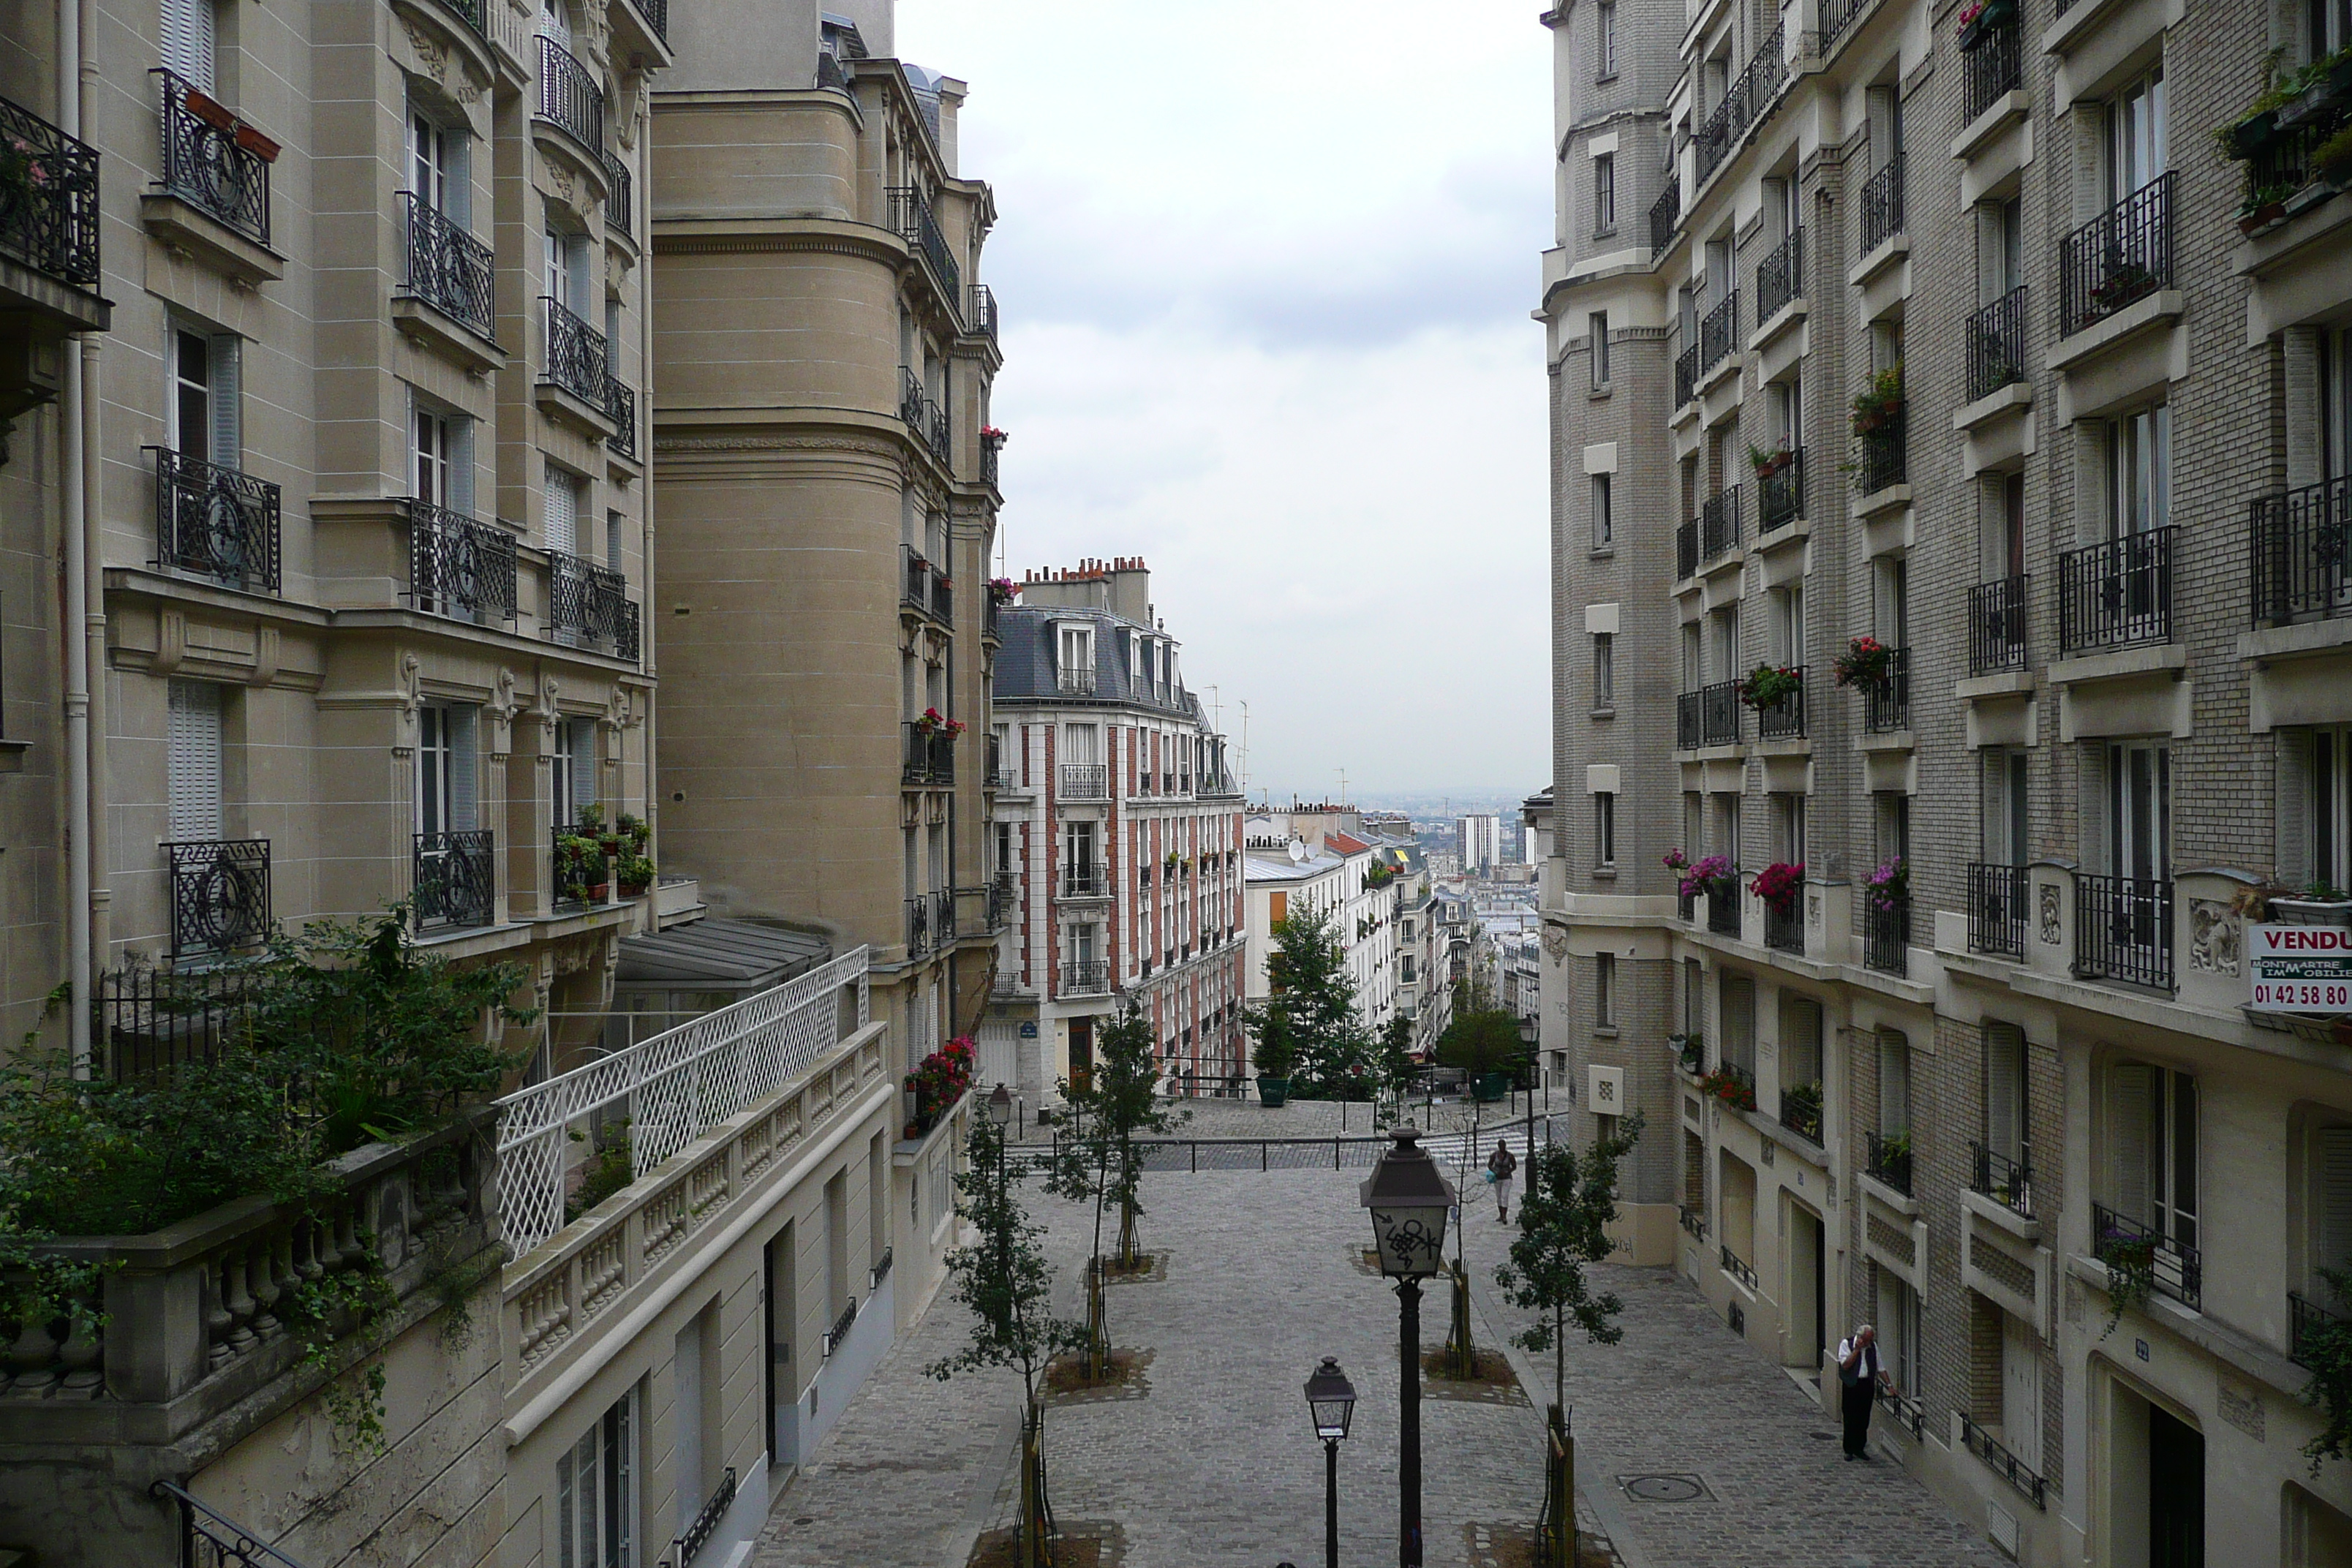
1711 875
1778 883
1979 20
1865 662
255 143
637 874
1768 686
1767 464
2326 85
209 110
2262 208
2312 912
1880 403
2248 136
1731 1085
1272 1092
938 1081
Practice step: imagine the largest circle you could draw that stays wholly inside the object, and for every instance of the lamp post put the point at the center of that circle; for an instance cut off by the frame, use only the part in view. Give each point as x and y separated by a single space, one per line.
1331 1401
1409 1197
1000 1106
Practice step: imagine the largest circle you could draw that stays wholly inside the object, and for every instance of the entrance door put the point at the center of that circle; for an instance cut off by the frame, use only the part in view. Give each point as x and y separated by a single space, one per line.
1082 1052
2176 1493
783 1386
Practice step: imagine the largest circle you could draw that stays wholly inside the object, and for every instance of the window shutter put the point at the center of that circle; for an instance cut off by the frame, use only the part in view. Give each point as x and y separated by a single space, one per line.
221 359
456 178
188 40
2294 801
583 764
2131 1102
2003 1120
563 512
194 759
459 484
2334 1242
463 728
1893 1084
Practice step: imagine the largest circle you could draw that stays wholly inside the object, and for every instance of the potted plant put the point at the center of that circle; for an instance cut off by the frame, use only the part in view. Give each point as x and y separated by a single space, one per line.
584 864
1777 884
1001 589
22 169
1767 464
2126 279
2262 208
1979 17
2332 159
938 1081
1889 888
1730 1084
1710 877
1880 402
1769 686
1865 662
993 438
1690 1051
637 874
931 721
2319 904
2316 91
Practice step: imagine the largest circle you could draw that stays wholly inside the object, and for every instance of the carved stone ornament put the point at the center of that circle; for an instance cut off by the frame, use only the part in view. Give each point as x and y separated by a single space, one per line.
431 54
410 686
2050 913
2213 937
501 710
1554 942
548 688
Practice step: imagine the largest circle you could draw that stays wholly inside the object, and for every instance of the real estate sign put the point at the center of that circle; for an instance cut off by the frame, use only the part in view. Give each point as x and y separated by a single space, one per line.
2300 969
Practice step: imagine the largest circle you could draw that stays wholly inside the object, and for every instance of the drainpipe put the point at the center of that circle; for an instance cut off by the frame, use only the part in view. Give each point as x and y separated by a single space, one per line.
85 621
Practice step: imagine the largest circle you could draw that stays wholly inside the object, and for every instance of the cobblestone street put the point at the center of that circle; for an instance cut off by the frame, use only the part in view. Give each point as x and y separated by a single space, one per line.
1215 1465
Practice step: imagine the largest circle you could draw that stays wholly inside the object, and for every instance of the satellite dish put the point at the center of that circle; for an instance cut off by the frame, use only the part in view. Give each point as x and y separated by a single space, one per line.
1298 851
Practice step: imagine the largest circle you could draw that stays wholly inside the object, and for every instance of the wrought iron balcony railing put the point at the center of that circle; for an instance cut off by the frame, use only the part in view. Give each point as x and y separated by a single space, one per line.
459 567
1085 781
1885 455
218 522
1886 701
619 203
470 12
911 219
569 97
684 1549
1996 899
2123 255
454 878
1665 213
2122 929
1736 1266
2304 1317
1886 934
2006 1181
1780 494
1780 277
2287 161
576 867
1997 626
2173 1266
1723 911
449 269
1718 136
1882 205
220 894
921 766
210 1540
1085 977
1836 15
1719 522
2302 552
1889 1160
1689 727
2117 594
587 605
578 359
212 161
1687 375
983 316
1784 923
1075 682
1686 549
48 215
1718 334
1996 344
1995 66
1784 720
918 925
620 409
1719 714
1085 881
2003 1463
1693 1218
925 420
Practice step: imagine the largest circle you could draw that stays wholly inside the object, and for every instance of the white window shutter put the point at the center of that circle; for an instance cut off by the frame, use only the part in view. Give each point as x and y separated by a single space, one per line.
188 41
463 729
193 762
458 178
563 512
459 484
583 764
2293 805
222 364
2002 1121
2131 1108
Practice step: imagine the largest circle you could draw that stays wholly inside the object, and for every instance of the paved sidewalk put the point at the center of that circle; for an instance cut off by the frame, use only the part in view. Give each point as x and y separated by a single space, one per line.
1216 1466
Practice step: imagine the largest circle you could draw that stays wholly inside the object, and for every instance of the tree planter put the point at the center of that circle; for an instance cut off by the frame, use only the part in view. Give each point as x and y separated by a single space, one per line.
1273 1091
634 890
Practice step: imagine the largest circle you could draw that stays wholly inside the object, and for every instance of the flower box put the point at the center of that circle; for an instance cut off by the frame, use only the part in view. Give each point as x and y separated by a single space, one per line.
1865 662
255 143
1769 686
208 109
1778 883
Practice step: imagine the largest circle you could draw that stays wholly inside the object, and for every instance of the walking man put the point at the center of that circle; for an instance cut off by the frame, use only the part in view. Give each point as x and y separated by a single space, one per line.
1858 1381
1502 1165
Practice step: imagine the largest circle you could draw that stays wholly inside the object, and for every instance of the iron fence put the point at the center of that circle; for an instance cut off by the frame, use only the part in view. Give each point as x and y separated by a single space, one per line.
1736 1266
577 357
656 15
1718 334
2117 594
1723 910
1085 977
1784 923
2122 929
1690 730
454 878
2302 542
925 420
1997 626
2123 255
2174 1267
2006 1181
1720 523
220 894
449 269
569 98
1720 702
619 205
684 1549
1996 344
1780 277
49 219
216 521
1889 1160
1784 720
2003 1463
1995 68
1665 213
1719 135
918 926
1997 899
1882 205
1780 494
984 310
1885 455
620 409
585 604
1088 881
147 1019
208 162
1886 701
911 219
459 567
1085 781
1887 934
1686 375
1836 17
210 1539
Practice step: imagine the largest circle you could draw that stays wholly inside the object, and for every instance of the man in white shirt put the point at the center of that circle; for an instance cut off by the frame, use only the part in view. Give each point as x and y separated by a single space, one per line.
1858 1380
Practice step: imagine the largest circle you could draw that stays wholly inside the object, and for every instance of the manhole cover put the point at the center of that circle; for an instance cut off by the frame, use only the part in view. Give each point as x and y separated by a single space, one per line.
1664 1489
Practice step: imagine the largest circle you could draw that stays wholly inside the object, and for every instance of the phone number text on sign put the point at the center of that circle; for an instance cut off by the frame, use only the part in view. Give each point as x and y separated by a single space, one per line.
2299 969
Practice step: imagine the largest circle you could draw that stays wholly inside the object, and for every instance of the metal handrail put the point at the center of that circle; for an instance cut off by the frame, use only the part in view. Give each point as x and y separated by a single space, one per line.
569 97
2004 1463
578 359
2119 256
458 566
220 893
1887 934
1995 66
912 220
1997 898
454 878
706 1520
449 269
2117 592
2122 929
1997 626
1780 277
1665 213
1781 495
2175 1268
1785 720
1886 701
1882 205
619 207
2008 1183
1718 334
209 1539
1996 345
2302 544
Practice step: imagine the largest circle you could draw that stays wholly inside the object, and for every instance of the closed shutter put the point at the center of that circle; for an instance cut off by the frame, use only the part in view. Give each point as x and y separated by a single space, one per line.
583 764
563 512
2295 803
2003 1120
463 725
193 762
188 40
459 482
456 178
1893 1084
2334 1237
2131 1108
221 364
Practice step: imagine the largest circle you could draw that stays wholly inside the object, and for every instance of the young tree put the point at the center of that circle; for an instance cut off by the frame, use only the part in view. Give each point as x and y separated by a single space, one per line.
1313 1009
1484 1041
1393 1064
1563 1216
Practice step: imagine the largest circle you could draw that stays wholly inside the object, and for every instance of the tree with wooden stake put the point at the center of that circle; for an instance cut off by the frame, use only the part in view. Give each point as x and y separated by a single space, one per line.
1563 1226
1003 1278
1312 1015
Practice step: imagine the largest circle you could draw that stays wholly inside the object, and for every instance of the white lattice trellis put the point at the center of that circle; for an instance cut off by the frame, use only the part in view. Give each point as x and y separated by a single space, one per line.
676 1086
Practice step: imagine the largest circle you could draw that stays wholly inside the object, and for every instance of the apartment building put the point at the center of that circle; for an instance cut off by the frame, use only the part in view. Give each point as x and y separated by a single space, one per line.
829 481
1481 843
1958 331
1116 841
1323 859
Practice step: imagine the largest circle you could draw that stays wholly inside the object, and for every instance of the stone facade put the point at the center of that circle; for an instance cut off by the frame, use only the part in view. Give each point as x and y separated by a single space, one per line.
2090 762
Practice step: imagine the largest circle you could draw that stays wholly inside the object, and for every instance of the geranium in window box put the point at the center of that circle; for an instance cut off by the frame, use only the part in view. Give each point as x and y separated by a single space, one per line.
1769 685
1712 876
1865 662
1778 883
933 721
1889 888
255 143
1731 1085
1003 590
993 438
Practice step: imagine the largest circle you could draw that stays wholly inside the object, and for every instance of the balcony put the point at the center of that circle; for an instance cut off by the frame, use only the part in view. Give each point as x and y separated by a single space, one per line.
458 567
2117 593
2171 1267
577 358
569 98
926 421
1886 701
214 162
994 777
1075 682
2302 553
455 879
1800 1111
1719 714
1689 728
1086 881
1889 1159
1780 277
1785 720
2122 929
919 586
579 872
1718 136
982 318
1723 911
1085 781
215 522
2304 1317
1836 15
220 895
920 928
1780 494
1882 205
992 619
1665 213
1996 345
1784 924
1885 456
621 407
1686 375
587 605
619 203
2122 256
1887 934
1736 1266
1998 896
2006 1182
911 219
2287 160
1085 977
1686 549
929 755
449 269
1994 70
1719 524
1997 626
1718 334
50 224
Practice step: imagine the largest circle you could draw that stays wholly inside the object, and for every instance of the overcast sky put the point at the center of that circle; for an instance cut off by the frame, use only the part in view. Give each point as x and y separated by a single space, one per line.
1265 271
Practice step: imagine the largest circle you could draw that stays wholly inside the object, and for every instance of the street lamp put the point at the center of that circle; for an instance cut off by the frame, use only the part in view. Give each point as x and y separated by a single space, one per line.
1409 1197
1000 1106
1331 1401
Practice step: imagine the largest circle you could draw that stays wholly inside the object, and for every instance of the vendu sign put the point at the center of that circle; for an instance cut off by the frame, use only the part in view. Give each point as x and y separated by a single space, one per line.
2300 969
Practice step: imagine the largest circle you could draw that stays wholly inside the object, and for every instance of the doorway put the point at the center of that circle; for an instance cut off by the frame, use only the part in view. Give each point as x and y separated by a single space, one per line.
1082 1052
1808 1276
779 1310
2176 1492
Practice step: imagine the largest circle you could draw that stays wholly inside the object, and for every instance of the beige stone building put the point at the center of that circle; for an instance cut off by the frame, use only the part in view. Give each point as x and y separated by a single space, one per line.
1865 319
829 496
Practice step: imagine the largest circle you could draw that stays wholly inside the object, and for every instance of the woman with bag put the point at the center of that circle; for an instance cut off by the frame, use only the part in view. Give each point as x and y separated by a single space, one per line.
1858 1380
1501 1167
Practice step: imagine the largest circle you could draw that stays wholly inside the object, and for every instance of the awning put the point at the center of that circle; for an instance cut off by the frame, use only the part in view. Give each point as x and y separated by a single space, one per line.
719 955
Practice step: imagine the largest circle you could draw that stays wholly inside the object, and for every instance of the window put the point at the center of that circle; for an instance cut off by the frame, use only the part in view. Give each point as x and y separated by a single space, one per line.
1079 860
555 21
1901 1338
2152 1149
567 267
1893 1083
2139 471
2000 248
2007 1131
1788 608
1604 670
2335 398
2138 128
437 165
1076 650
2331 807
1605 51
188 36
596 1493
2327 27
572 769
2139 811
1597 331
563 511
1789 828
1738 1005
1890 824
1604 828
193 764
203 407
615 526
2331 1210
1604 991
437 779
1604 194
1604 525
2004 837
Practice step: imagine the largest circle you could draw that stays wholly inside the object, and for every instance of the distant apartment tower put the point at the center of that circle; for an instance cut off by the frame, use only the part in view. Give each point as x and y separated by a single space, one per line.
1481 843
1116 836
